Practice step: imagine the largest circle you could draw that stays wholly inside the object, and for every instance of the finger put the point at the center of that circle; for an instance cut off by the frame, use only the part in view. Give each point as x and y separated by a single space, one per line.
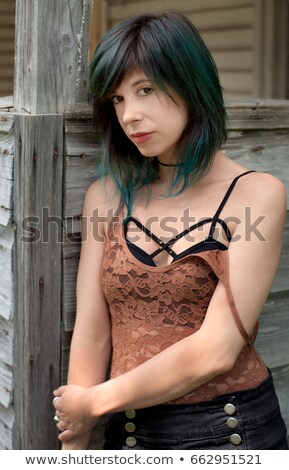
59 391
61 426
66 435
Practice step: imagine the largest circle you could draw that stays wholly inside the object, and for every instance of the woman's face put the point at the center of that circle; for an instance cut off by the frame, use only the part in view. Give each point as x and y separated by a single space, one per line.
150 118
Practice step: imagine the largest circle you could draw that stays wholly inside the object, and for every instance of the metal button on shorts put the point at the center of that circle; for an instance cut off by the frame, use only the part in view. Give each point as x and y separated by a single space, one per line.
131 441
130 427
130 414
235 439
229 409
232 423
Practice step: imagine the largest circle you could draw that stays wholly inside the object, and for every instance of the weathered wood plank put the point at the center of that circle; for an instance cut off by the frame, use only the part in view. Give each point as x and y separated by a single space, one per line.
6 103
280 283
72 225
6 190
6 217
86 144
6 428
70 266
258 114
38 182
76 187
83 151
65 347
6 264
6 166
272 341
6 362
281 381
6 142
71 245
6 122
80 122
58 31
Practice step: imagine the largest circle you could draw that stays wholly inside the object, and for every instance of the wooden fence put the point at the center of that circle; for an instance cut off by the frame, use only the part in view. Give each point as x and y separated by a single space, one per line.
47 161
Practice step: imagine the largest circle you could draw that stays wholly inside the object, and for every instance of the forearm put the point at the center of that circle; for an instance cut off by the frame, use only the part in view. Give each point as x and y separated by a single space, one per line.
170 374
88 360
88 365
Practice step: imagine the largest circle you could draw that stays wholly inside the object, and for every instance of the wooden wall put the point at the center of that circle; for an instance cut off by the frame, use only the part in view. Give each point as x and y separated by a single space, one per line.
7 235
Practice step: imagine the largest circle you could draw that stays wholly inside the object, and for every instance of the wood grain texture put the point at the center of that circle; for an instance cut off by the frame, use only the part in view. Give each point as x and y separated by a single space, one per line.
58 31
6 363
38 183
7 419
6 163
281 382
257 114
6 103
272 341
6 279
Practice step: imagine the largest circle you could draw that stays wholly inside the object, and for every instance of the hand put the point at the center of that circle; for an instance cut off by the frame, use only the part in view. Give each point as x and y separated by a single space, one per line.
78 443
74 410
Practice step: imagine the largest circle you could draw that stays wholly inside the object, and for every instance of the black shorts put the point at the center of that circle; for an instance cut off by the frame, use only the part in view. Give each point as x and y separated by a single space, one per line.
249 419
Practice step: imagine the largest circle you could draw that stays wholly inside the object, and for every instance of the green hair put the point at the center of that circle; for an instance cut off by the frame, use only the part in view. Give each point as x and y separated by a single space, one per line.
171 52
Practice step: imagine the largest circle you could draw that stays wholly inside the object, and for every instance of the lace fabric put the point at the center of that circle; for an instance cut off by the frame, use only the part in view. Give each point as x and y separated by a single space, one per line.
154 307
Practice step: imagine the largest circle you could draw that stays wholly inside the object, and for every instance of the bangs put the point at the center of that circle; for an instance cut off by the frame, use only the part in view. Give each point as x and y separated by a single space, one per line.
123 52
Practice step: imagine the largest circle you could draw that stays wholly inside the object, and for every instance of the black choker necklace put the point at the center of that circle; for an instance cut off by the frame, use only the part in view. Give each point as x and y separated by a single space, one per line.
168 164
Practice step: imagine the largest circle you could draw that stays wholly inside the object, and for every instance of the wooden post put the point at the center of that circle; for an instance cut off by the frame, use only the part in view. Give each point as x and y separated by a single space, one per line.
37 278
50 78
52 49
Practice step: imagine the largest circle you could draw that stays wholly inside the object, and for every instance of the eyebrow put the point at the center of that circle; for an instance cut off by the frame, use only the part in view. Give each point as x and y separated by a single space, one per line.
140 80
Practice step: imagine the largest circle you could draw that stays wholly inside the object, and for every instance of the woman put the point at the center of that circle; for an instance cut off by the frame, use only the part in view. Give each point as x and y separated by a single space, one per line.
173 284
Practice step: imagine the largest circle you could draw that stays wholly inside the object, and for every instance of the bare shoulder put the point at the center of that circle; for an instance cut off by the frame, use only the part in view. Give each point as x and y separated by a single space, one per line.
260 190
101 202
103 195
264 190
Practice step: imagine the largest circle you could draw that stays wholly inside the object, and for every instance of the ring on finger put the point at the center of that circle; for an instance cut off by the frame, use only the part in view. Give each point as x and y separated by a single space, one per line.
54 400
56 419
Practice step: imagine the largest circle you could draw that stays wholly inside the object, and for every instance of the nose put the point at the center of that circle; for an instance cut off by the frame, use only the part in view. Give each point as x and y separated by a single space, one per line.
131 112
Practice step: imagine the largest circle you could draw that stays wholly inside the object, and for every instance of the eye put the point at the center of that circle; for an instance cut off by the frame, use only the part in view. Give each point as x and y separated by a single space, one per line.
115 99
145 91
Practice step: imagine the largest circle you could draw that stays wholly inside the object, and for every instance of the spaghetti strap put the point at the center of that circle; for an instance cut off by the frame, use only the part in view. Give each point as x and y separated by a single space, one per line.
224 200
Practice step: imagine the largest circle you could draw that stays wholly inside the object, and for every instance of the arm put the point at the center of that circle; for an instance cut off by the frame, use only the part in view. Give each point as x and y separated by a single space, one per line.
91 344
187 364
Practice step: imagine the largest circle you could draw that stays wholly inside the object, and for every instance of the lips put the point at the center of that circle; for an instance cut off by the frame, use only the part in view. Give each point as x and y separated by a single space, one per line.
140 137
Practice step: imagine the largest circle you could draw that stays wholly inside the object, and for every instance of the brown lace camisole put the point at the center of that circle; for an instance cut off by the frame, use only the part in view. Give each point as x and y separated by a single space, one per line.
152 307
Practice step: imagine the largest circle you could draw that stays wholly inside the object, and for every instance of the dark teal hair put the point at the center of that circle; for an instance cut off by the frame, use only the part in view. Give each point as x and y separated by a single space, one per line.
170 51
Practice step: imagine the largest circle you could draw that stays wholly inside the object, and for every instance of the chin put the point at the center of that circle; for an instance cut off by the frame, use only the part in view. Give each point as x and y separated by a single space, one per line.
148 154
